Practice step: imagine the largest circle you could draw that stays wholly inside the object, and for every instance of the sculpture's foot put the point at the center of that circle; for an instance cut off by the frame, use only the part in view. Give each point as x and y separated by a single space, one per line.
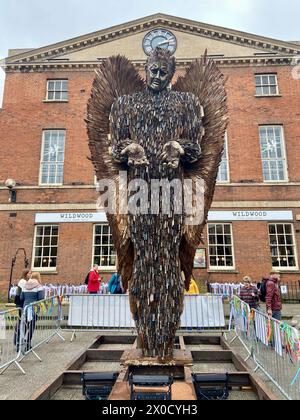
136 358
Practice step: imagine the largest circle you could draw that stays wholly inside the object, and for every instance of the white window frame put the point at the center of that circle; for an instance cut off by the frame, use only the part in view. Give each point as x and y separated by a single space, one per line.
221 268
296 267
269 85
42 162
43 269
283 159
225 158
60 91
102 268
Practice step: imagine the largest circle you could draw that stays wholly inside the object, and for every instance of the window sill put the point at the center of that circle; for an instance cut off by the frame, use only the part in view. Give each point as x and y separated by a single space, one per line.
276 182
287 271
55 102
223 271
268 96
107 269
50 185
44 272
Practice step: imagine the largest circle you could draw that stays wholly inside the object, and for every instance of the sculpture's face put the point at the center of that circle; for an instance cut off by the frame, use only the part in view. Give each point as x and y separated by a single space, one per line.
158 76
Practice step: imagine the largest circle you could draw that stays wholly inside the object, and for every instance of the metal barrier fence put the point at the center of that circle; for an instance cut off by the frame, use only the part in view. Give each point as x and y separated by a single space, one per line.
277 353
23 331
274 346
243 328
10 331
203 314
39 324
290 292
112 313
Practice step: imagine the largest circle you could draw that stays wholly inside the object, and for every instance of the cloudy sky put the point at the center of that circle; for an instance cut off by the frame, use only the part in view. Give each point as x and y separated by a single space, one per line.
36 23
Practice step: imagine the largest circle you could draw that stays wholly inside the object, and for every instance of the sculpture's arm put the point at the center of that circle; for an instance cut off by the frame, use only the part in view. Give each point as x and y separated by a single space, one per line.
187 148
123 149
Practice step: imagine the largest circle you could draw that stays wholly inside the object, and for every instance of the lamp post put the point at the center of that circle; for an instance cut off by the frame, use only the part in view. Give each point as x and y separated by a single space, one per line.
13 263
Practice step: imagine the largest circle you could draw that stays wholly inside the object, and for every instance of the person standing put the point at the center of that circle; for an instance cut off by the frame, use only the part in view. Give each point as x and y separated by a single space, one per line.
193 290
115 286
26 276
33 292
249 293
94 281
273 296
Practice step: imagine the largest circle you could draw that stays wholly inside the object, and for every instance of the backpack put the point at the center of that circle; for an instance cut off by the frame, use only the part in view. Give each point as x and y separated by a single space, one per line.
263 292
86 281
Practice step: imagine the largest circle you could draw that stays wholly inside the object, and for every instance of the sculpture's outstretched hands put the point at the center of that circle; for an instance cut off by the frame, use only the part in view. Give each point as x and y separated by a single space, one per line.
136 155
172 153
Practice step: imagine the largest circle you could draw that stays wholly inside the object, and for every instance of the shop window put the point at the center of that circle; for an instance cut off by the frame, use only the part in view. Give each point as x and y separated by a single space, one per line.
221 252
45 248
266 84
223 176
57 90
104 253
282 246
53 156
273 153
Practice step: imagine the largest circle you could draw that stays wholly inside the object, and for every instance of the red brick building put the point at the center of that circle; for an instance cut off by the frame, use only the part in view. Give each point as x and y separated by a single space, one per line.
255 220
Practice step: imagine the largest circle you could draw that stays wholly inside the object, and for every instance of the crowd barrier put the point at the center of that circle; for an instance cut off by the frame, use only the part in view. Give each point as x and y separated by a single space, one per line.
290 292
204 313
22 332
10 331
274 346
112 312
39 324
240 322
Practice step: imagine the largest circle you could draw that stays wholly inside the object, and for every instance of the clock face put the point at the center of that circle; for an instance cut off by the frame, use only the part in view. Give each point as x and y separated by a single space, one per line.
159 38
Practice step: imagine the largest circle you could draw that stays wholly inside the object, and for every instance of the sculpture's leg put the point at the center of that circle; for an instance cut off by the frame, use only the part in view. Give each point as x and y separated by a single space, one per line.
157 289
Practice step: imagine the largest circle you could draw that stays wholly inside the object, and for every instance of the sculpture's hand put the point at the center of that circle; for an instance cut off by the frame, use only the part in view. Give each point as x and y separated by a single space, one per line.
136 155
172 153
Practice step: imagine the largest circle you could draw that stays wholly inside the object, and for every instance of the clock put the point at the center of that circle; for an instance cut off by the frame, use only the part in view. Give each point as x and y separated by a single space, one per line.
159 38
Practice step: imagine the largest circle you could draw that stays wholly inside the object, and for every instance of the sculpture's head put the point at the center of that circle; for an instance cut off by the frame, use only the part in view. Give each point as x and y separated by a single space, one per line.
160 69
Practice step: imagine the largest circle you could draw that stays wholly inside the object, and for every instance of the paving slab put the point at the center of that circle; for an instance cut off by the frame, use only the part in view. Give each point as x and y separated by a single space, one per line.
55 358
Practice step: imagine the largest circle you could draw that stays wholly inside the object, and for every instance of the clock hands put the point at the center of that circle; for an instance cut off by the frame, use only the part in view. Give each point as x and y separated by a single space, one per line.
166 42
159 38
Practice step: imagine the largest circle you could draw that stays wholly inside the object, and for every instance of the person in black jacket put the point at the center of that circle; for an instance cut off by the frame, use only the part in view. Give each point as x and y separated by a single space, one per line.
26 275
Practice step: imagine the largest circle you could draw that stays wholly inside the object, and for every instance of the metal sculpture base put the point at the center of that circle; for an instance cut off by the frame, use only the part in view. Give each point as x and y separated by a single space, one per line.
135 358
177 367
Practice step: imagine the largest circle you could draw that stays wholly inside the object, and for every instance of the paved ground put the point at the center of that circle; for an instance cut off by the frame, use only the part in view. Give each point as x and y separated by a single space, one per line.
291 310
56 356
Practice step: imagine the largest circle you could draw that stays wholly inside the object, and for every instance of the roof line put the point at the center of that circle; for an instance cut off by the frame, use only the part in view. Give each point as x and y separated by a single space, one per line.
146 19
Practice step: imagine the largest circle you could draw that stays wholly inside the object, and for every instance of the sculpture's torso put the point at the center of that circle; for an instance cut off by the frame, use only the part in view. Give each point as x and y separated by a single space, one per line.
154 119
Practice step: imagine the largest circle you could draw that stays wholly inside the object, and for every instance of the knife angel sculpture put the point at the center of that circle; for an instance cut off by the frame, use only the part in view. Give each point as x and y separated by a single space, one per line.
165 140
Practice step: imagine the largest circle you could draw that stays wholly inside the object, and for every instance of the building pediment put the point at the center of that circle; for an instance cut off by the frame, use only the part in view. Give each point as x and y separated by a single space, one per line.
126 39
